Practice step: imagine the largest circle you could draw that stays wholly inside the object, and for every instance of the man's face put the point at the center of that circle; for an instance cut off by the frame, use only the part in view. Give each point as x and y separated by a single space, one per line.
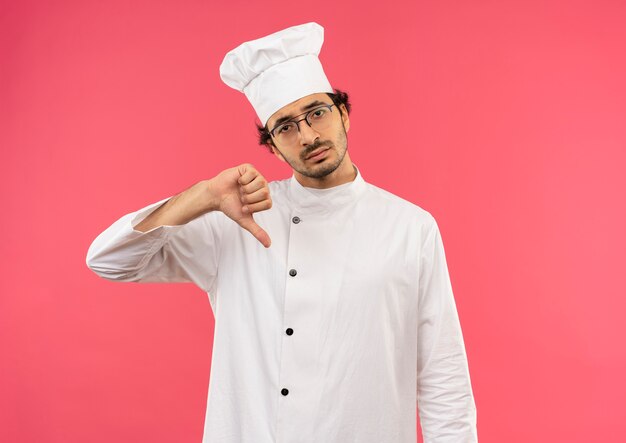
313 153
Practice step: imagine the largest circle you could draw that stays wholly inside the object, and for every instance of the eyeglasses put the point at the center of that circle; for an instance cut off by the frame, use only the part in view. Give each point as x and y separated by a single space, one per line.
318 119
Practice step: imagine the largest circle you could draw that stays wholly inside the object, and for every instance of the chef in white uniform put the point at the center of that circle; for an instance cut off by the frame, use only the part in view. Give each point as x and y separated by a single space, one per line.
335 320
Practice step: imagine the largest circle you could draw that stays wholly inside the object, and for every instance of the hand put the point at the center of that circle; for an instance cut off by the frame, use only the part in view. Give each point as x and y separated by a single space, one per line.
240 192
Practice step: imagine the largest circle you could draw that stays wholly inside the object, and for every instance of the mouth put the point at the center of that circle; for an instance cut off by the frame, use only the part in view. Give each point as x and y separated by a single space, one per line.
317 154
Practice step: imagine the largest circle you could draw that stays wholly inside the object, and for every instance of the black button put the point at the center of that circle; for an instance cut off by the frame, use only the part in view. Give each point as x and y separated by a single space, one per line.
293 272
284 391
289 331
296 220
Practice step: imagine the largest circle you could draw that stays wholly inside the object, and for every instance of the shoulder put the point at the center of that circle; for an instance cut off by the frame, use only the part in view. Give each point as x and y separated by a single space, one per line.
389 204
279 190
279 185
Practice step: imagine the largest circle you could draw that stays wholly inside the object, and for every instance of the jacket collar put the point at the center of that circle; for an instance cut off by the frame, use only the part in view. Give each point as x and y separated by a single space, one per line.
308 202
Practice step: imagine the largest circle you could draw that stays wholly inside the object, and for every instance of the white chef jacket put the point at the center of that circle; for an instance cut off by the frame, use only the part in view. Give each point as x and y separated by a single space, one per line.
334 334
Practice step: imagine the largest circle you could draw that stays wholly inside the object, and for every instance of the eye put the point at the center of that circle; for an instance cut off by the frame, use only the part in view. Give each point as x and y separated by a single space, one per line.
318 113
285 129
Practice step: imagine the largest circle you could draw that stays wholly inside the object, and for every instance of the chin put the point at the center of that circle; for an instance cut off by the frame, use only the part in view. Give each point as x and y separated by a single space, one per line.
321 170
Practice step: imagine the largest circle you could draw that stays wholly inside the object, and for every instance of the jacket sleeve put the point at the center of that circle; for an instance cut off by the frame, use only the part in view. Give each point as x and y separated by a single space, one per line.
445 400
183 253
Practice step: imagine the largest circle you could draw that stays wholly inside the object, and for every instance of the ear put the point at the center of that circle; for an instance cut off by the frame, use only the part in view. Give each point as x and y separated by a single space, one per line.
344 117
277 153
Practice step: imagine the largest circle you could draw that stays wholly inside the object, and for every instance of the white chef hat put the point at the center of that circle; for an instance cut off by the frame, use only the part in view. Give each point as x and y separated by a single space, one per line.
278 69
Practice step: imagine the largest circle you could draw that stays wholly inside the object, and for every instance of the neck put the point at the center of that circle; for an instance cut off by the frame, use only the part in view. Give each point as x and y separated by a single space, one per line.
346 172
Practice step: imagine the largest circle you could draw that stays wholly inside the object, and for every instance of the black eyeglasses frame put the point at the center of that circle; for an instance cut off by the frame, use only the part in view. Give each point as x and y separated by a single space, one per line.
297 122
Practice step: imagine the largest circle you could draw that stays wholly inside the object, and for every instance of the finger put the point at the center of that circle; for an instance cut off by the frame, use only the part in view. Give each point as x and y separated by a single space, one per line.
247 174
258 232
256 196
257 183
258 207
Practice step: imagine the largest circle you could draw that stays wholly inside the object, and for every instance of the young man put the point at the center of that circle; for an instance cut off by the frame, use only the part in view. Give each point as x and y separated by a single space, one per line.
334 313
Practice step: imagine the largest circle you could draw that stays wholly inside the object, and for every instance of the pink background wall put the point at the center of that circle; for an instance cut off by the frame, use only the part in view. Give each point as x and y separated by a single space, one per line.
504 119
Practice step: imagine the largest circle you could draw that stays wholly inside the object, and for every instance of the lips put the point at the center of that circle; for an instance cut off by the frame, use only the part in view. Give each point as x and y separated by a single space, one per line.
317 152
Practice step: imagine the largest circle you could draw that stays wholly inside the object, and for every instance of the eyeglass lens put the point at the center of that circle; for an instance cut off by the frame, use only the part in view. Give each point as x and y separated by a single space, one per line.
318 119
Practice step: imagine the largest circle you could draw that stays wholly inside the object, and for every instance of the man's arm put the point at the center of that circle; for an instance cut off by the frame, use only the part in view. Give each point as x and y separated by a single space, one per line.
170 241
237 192
444 393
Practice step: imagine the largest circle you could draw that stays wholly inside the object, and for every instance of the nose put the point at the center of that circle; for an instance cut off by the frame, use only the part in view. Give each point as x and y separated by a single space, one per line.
308 135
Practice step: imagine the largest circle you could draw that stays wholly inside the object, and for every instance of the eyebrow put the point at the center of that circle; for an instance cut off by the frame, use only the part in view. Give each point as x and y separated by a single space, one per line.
304 109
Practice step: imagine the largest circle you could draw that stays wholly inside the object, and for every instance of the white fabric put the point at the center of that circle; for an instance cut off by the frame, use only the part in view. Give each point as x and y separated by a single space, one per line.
278 69
375 326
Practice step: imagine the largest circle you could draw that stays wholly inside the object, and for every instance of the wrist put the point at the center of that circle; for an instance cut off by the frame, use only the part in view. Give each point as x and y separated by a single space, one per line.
211 201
